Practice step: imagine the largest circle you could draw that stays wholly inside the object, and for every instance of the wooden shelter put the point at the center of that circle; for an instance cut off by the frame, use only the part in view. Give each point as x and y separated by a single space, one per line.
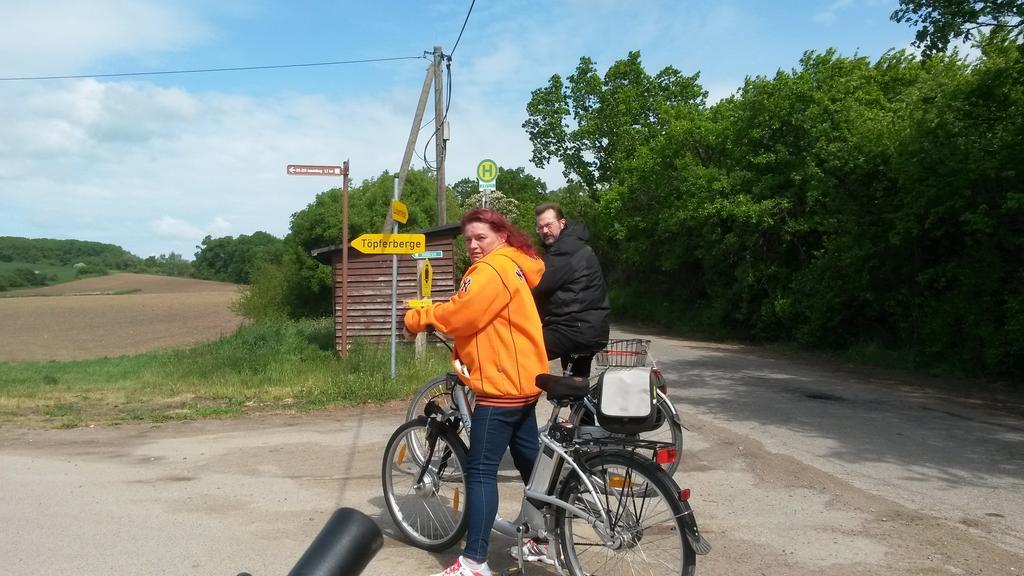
369 283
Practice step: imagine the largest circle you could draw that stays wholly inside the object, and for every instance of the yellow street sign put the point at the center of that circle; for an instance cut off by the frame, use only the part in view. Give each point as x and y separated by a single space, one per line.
487 171
419 303
390 243
399 211
426 278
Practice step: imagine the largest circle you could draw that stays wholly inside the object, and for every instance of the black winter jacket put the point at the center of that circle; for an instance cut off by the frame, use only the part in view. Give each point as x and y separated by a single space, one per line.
571 295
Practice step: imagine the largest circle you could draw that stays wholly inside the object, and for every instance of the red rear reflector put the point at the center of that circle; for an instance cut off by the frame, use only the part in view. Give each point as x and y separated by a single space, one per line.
665 455
684 495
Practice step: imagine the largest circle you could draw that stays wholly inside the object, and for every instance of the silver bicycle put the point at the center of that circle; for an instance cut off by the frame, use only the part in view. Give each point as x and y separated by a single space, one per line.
605 508
618 354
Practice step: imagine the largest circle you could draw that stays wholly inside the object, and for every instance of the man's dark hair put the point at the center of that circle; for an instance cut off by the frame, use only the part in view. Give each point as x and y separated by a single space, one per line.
549 206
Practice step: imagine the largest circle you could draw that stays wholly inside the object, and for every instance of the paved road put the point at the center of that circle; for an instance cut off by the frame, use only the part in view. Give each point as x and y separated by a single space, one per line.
797 468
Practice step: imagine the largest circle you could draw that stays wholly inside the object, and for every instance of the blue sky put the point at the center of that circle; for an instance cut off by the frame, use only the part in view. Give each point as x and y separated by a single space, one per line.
155 163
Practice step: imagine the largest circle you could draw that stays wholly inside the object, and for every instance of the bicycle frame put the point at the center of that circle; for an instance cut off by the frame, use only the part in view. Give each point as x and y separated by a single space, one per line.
530 515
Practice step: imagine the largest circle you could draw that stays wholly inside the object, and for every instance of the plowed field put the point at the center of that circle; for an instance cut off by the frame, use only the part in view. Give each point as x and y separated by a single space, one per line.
96 317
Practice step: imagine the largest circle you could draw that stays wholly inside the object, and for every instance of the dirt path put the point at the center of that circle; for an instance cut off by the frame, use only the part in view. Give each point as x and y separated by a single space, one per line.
795 469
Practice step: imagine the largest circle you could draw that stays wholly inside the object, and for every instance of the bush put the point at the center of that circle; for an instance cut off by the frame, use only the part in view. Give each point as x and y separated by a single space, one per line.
26 277
267 298
90 270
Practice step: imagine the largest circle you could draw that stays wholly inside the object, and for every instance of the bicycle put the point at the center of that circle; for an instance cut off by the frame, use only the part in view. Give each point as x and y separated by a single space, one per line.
618 353
608 509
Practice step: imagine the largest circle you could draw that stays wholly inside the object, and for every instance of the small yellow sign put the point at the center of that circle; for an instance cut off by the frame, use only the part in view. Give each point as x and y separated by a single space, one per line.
419 303
426 278
399 211
487 171
390 243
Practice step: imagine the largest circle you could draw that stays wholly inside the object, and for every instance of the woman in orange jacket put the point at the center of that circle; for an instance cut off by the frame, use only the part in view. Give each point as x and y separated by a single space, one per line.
499 339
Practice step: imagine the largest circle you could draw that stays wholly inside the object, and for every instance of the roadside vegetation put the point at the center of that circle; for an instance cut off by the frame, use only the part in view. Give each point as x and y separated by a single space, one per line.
264 367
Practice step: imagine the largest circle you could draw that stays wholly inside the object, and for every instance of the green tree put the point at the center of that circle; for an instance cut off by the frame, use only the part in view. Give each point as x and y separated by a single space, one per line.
510 208
940 22
593 125
229 259
65 252
463 189
842 203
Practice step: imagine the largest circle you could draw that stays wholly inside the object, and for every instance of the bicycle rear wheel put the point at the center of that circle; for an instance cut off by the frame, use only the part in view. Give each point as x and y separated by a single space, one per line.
646 517
668 434
425 494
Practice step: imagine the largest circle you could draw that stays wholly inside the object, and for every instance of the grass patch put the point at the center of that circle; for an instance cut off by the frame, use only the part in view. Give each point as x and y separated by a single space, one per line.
278 366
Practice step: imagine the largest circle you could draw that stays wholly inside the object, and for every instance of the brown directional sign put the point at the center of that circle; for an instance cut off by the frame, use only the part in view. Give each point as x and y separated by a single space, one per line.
301 170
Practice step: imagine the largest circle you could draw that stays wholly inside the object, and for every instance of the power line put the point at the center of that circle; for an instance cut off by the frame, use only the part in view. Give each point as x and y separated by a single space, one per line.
468 12
447 59
201 70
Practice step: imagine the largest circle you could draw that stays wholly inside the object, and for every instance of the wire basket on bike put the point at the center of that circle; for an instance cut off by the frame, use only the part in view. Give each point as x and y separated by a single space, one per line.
627 352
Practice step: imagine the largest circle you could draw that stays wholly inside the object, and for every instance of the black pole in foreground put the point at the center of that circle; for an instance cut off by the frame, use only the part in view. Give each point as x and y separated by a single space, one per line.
344 546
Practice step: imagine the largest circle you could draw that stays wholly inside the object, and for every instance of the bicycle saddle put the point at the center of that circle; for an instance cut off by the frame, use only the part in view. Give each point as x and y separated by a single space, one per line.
563 388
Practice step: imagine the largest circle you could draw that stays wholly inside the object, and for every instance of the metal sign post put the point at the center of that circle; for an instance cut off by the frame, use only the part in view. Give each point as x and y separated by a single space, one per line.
344 264
308 170
394 291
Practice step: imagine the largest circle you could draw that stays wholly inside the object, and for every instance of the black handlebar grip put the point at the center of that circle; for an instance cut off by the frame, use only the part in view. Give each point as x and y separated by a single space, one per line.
344 546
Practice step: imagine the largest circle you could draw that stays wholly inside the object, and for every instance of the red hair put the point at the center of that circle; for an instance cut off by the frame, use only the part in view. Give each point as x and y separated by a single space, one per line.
515 237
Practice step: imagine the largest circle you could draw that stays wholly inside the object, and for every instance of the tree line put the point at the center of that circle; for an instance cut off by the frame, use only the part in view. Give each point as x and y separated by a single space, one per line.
22 257
842 203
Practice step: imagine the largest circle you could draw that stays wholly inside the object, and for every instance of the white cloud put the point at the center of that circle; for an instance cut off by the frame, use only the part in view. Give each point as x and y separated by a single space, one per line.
156 169
58 37
175 229
171 228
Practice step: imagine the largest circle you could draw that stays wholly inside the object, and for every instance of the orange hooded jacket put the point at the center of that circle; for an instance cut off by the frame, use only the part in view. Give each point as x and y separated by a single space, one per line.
497 329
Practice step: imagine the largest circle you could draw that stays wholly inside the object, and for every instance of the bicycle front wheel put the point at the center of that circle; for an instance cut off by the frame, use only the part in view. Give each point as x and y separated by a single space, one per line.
646 520
425 494
439 391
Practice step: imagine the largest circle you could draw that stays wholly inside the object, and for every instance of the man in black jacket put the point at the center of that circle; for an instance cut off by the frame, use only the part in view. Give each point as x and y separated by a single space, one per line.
571 296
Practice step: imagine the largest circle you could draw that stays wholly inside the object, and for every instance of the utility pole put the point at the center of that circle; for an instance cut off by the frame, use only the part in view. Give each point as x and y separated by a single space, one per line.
440 133
410 145
344 264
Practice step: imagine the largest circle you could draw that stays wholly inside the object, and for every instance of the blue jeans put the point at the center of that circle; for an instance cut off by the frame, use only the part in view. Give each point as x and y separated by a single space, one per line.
493 429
